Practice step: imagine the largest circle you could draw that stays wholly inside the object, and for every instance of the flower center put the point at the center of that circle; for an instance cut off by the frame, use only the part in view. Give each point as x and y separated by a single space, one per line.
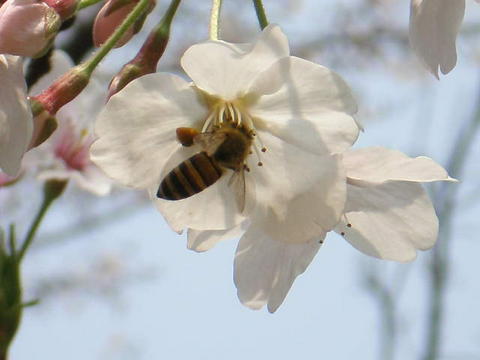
229 114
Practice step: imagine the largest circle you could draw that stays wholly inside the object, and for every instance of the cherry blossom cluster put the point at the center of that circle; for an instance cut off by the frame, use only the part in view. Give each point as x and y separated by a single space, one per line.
296 177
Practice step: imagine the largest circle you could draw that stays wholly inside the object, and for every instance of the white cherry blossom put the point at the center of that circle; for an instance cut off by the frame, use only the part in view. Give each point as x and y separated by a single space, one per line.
301 114
65 155
388 214
434 26
16 124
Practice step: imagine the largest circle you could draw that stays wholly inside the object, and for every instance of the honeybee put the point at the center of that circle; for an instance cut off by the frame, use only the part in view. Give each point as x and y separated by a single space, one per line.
226 147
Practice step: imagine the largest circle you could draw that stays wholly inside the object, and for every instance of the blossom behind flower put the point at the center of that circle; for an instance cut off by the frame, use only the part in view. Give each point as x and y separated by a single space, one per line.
434 25
111 15
16 124
65 155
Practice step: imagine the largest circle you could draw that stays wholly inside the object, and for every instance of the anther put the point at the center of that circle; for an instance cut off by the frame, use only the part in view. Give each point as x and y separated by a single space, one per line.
260 163
264 149
349 225
342 233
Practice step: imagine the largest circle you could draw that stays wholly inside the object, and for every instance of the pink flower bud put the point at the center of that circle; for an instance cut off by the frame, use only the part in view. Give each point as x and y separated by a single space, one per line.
145 62
111 15
26 27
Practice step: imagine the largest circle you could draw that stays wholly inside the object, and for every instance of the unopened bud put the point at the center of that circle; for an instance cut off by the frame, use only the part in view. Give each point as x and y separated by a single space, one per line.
111 15
38 22
146 60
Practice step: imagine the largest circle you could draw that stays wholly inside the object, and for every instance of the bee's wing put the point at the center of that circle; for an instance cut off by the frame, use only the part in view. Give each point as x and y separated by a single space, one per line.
209 142
237 182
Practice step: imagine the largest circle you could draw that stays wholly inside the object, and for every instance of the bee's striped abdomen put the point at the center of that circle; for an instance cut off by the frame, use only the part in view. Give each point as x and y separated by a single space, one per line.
189 178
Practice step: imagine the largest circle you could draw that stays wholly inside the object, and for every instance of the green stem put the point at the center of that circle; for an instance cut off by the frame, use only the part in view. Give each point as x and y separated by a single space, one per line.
168 17
215 19
260 11
138 11
12 239
52 190
86 3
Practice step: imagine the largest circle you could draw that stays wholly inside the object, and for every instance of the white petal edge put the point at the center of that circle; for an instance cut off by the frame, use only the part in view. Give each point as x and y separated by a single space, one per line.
16 122
136 130
304 104
434 26
389 221
201 241
226 70
378 164
265 269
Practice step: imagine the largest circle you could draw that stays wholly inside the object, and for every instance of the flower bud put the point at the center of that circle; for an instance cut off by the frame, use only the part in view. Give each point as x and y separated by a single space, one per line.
27 27
111 15
145 62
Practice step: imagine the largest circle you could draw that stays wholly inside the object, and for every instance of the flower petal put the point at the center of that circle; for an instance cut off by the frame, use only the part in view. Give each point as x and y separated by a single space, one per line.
305 104
136 129
93 180
378 164
298 194
16 124
205 240
434 25
227 70
214 208
389 221
264 268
